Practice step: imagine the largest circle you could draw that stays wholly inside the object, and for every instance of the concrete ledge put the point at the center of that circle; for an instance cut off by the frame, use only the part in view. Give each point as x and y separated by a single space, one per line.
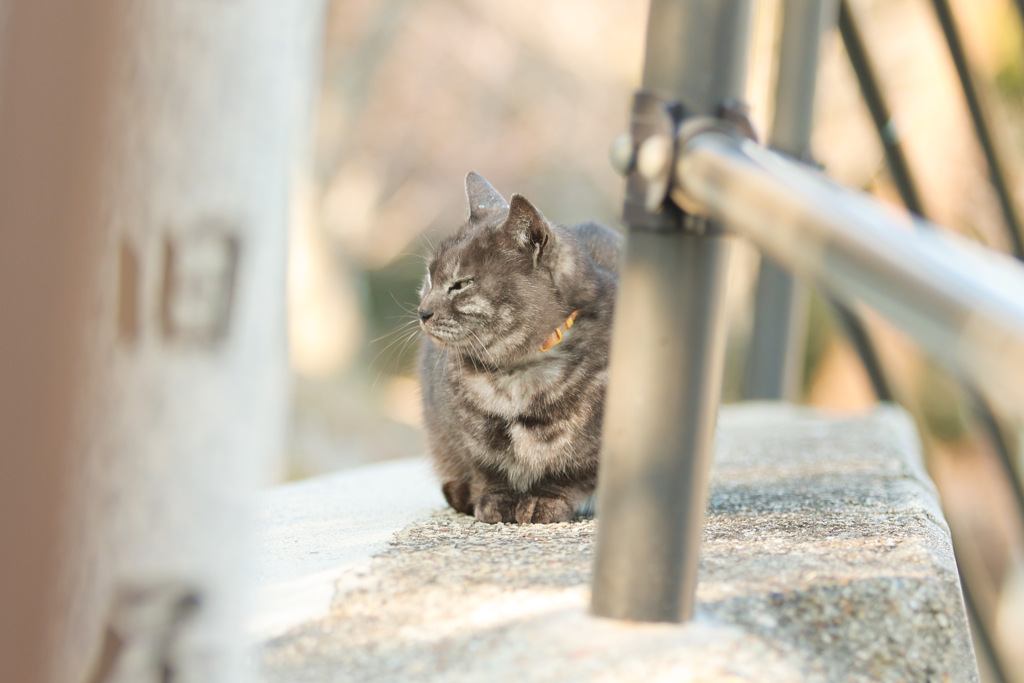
313 532
826 558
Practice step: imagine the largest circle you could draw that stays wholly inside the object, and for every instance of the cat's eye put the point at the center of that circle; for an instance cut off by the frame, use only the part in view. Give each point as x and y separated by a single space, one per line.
461 284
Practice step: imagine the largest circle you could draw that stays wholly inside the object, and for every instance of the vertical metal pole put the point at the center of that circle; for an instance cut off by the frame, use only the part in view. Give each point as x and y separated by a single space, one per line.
775 358
1006 450
667 348
780 310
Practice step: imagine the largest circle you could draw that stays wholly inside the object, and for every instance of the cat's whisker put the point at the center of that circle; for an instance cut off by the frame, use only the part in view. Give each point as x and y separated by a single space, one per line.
410 317
407 307
410 255
461 369
425 238
483 349
472 357
409 339
401 335
443 354
397 330
403 345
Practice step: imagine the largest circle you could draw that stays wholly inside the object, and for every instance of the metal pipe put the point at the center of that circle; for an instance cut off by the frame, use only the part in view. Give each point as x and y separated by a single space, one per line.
961 302
661 411
777 341
899 169
980 629
803 22
858 336
908 192
667 348
996 172
776 354
981 597
1004 449
1020 8
885 124
907 187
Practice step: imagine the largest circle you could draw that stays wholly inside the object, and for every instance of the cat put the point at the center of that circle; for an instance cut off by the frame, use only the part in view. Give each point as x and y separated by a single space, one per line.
516 313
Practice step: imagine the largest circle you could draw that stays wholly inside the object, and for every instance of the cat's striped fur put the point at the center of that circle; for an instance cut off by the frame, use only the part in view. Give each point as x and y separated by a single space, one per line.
514 431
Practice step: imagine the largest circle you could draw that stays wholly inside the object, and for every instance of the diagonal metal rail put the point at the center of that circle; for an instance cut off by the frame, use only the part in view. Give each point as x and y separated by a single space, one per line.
997 173
881 114
906 185
961 302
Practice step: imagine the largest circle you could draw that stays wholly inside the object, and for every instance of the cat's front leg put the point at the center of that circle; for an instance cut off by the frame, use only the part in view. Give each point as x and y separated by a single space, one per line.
492 505
522 508
459 495
497 505
547 502
480 493
551 502
505 505
494 499
544 510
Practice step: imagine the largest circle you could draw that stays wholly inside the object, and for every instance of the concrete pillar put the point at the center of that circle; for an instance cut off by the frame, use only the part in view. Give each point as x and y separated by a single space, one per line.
185 397
54 62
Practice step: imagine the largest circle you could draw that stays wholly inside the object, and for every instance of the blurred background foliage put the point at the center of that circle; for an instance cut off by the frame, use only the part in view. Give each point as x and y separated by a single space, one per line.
530 94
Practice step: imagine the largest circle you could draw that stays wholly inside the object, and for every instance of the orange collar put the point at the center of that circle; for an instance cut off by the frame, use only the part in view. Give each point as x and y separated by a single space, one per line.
556 337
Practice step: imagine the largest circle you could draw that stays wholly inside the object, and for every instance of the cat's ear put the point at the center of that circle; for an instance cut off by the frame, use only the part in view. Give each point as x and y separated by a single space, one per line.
483 199
528 228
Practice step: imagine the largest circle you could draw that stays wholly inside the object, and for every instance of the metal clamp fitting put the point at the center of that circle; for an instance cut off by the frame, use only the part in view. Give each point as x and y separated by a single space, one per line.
647 155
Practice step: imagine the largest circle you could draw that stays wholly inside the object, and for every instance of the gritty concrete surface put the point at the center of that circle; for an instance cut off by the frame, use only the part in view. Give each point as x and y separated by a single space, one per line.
825 558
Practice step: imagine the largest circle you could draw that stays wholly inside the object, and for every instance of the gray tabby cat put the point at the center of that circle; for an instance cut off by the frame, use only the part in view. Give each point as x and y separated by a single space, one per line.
517 313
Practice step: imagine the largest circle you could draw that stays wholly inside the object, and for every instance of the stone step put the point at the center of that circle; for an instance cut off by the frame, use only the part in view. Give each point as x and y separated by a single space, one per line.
825 558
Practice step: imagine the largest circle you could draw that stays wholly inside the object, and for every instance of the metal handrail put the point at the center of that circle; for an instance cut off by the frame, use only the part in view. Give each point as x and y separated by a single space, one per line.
906 185
964 304
961 302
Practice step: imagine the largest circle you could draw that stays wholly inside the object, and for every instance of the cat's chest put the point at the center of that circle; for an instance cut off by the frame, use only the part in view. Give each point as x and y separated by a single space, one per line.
512 395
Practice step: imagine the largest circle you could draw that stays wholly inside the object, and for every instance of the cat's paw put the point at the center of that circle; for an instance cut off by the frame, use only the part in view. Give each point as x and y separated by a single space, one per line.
496 507
543 510
458 495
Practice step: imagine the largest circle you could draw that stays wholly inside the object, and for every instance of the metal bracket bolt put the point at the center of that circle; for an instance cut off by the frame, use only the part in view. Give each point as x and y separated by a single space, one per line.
662 127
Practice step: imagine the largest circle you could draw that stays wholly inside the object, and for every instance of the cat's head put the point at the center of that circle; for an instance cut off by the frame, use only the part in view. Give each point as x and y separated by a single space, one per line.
493 290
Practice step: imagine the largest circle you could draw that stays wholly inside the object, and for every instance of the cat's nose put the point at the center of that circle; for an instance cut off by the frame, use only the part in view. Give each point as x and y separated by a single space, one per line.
425 315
